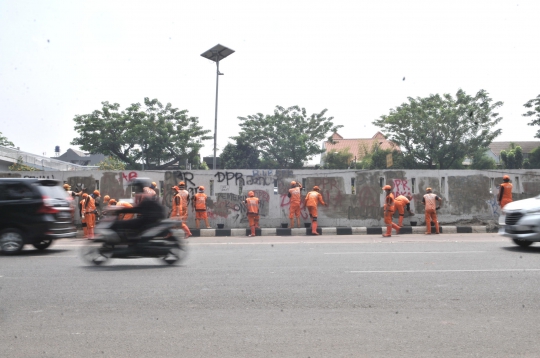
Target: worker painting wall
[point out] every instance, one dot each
(354, 198)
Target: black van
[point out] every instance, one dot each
(33, 211)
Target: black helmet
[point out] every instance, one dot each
(140, 183)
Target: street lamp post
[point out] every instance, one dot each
(216, 54)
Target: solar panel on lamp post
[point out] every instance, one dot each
(216, 54)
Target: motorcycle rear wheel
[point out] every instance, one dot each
(95, 255)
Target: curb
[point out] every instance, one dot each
(340, 230)
(333, 231)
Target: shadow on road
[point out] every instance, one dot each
(524, 250)
(113, 267)
(35, 252)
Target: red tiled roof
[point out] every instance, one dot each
(359, 146)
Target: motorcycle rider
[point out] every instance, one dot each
(148, 210)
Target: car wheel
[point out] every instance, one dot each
(42, 244)
(11, 241)
(522, 243)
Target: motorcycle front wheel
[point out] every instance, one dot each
(177, 251)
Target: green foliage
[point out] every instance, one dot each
(5, 142)
(203, 166)
(288, 137)
(111, 163)
(481, 161)
(439, 131)
(20, 167)
(534, 113)
(157, 135)
(513, 157)
(338, 160)
(534, 158)
(241, 155)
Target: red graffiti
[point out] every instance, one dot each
(130, 176)
(326, 183)
(368, 197)
(286, 201)
(401, 187)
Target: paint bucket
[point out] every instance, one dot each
(220, 226)
(284, 225)
(307, 225)
(413, 223)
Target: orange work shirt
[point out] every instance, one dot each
(200, 201)
(252, 204)
(313, 198)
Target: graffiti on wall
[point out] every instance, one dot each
(367, 201)
(233, 206)
(10, 175)
(401, 187)
(469, 195)
(260, 177)
(229, 176)
(494, 206)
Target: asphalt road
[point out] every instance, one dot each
(459, 295)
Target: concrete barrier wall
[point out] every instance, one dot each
(354, 198)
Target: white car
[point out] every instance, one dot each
(520, 221)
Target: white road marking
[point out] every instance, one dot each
(52, 256)
(439, 271)
(402, 252)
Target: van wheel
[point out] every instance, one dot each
(42, 244)
(11, 241)
(522, 243)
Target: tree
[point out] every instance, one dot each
(157, 136)
(441, 130)
(288, 137)
(513, 157)
(534, 112)
(338, 160)
(241, 155)
(111, 163)
(20, 167)
(481, 161)
(534, 158)
(5, 142)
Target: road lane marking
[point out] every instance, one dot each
(443, 271)
(402, 252)
(52, 256)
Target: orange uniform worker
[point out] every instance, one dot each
(83, 217)
(149, 191)
(505, 192)
(430, 201)
(313, 198)
(389, 209)
(89, 212)
(403, 202)
(184, 194)
(295, 196)
(199, 203)
(253, 205)
(125, 216)
(176, 212)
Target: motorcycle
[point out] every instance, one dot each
(159, 241)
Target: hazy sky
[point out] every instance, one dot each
(63, 58)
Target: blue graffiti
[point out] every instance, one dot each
(495, 208)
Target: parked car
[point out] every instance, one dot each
(520, 221)
(34, 212)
